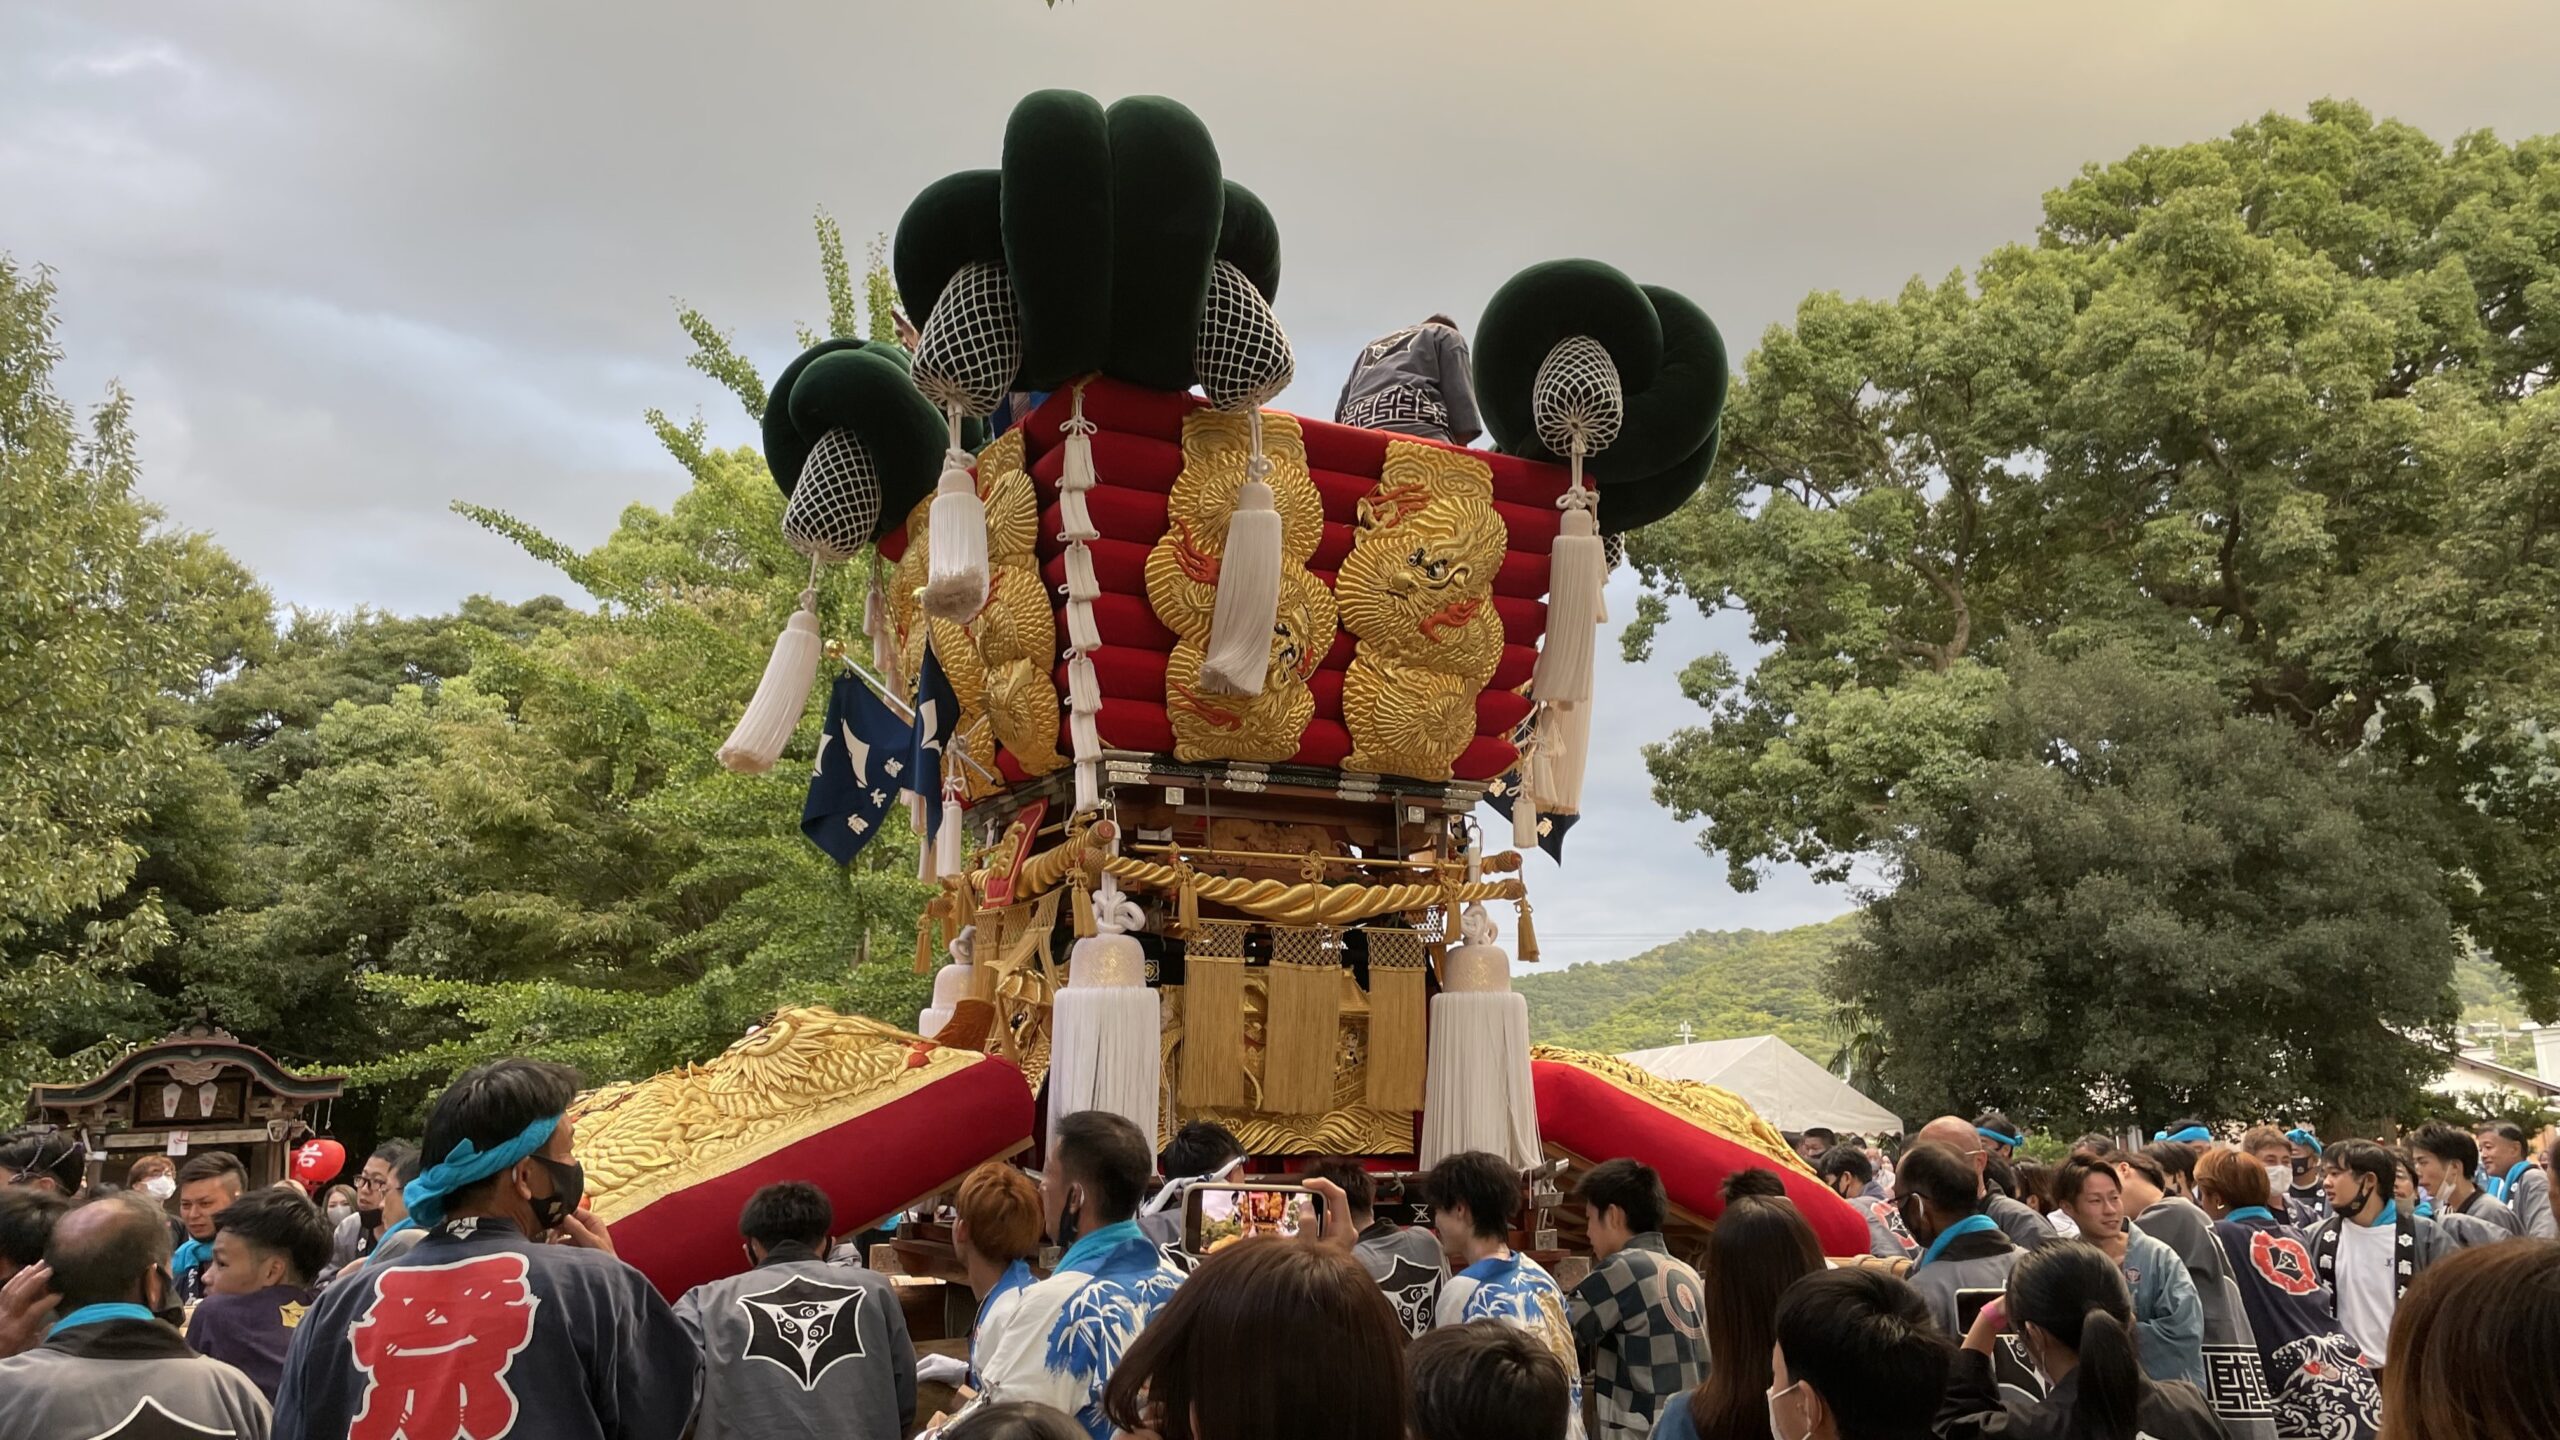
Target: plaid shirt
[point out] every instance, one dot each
(1639, 1321)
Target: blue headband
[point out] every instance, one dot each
(2192, 1135)
(2305, 1139)
(2012, 1141)
(468, 1166)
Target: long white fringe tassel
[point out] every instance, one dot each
(1553, 776)
(782, 696)
(950, 842)
(1239, 650)
(955, 586)
(1524, 801)
(1577, 572)
(1476, 1092)
(1084, 686)
(1104, 1052)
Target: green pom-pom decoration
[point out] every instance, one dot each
(862, 388)
(1165, 182)
(953, 222)
(1249, 239)
(1057, 229)
(1671, 364)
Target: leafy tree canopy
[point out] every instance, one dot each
(2273, 412)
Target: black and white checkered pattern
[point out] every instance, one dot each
(1639, 1319)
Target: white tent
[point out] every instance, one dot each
(1788, 1089)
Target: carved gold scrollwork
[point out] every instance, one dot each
(1182, 586)
(1000, 661)
(1417, 589)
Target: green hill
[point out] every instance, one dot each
(1725, 983)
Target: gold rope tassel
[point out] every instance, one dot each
(924, 943)
(1084, 913)
(1186, 913)
(1305, 1017)
(1528, 937)
(1399, 1054)
(1213, 1015)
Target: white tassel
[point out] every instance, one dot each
(1081, 582)
(883, 632)
(1239, 651)
(1084, 736)
(1076, 517)
(1524, 817)
(1577, 572)
(781, 697)
(1082, 633)
(1084, 687)
(1553, 777)
(1108, 1026)
(926, 849)
(1477, 1093)
(955, 586)
(1088, 786)
(949, 844)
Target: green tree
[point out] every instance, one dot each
(114, 821)
(2274, 411)
(2145, 905)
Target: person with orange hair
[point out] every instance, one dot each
(2453, 1374)
(996, 1229)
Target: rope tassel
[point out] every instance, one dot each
(1239, 651)
(1577, 572)
(781, 697)
(955, 586)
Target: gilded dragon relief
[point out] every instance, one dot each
(1182, 585)
(999, 662)
(804, 1072)
(1417, 589)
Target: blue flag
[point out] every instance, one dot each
(864, 757)
(937, 716)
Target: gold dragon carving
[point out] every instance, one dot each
(803, 1072)
(1710, 1107)
(999, 662)
(1417, 589)
(1182, 586)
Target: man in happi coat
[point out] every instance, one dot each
(511, 1316)
(1059, 1339)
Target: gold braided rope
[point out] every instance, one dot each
(1307, 902)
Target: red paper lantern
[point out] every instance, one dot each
(316, 1162)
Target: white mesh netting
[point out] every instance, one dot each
(836, 502)
(1243, 358)
(1577, 398)
(972, 342)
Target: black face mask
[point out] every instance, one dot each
(1070, 1224)
(2351, 1211)
(568, 1183)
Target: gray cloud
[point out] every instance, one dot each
(359, 259)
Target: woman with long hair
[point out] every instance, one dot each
(2071, 1312)
(2471, 1348)
(1269, 1339)
(2315, 1375)
(1759, 1248)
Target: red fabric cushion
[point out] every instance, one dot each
(1596, 1120)
(872, 1165)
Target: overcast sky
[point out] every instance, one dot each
(357, 260)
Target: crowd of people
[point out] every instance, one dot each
(461, 1292)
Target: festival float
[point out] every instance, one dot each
(1207, 701)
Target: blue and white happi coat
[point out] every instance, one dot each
(1059, 1339)
(1516, 1290)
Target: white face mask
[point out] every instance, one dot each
(159, 1187)
(1774, 1432)
(2280, 1178)
(338, 1214)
